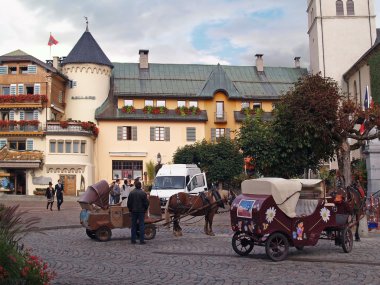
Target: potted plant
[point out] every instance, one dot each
(128, 109)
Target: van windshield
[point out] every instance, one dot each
(169, 182)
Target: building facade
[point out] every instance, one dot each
(157, 108)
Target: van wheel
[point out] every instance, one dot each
(103, 234)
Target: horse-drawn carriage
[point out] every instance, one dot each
(279, 213)
(99, 218)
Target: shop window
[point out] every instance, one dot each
(131, 169)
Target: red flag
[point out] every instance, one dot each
(362, 128)
(52, 41)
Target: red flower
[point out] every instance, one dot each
(11, 257)
(64, 124)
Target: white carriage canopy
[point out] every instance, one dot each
(286, 193)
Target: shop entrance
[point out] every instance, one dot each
(69, 184)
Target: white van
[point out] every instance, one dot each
(174, 178)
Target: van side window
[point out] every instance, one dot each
(187, 179)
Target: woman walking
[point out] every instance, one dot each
(50, 196)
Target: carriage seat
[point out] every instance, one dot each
(306, 207)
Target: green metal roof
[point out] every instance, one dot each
(192, 80)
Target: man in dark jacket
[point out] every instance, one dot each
(138, 204)
(59, 193)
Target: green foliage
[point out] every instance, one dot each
(300, 136)
(150, 169)
(221, 160)
(18, 266)
(374, 66)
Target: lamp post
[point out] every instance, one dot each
(159, 165)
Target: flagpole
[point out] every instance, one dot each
(50, 47)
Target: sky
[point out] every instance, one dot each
(174, 31)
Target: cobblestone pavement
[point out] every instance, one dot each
(192, 259)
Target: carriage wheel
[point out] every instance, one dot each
(103, 234)
(277, 247)
(149, 232)
(242, 243)
(91, 234)
(347, 240)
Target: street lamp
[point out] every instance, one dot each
(159, 158)
(158, 166)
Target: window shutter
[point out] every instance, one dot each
(32, 69)
(228, 133)
(4, 69)
(3, 142)
(20, 89)
(167, 134)
(190, 134)
(152, 130)
(213, 134)
(29, 144)
(12, 115)
(119, 133)
(35, 115)
(13, 89)
(134, 133)
(37, 88)
(22, 115)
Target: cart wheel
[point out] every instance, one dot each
(242, 243)
(149, 232)
(347, 240)
(299, 247)
(277, 247)
(103, 234)
(91, 234)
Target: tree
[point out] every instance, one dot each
(312, 123)
(221, 160)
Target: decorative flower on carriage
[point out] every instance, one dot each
(270, 214)
(325, 214)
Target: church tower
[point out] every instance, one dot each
(340, 32)
(89, 71)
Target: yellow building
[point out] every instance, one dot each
(156, 108)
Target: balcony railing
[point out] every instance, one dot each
(69, 128)
(14, 128)
(220, 117)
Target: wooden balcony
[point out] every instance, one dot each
(27, 128)
(22, 101)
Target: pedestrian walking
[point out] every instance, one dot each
(116, 191)
(138, 204)
(59, 193)
(50, 192)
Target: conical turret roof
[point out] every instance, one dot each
(87, 50)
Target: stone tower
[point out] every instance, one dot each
(340, 32)
(89, 71)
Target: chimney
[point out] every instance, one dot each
(259, 62)
(55, 62)
(144, 63)
(297, 62)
